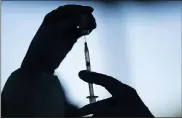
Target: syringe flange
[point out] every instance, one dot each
(91, 97)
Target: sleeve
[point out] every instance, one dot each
(32, 95)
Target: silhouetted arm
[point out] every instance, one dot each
(33, 90)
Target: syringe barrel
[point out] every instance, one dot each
(87, 57)
(92, 97)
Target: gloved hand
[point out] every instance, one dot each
(124, 102)
(56, 36)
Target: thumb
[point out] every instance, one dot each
(97, 108)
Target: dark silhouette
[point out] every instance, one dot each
(124, 102)
(34, 91)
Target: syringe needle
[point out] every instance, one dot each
(85, 38)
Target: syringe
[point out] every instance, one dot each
(92, 97)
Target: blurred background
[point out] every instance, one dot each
(138, 43)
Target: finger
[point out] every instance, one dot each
(75, 9)
(68, 28)
(82, 15)
(87, 22)
(74, 15)
(67, 11)
(96, 108)
(114, 86)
